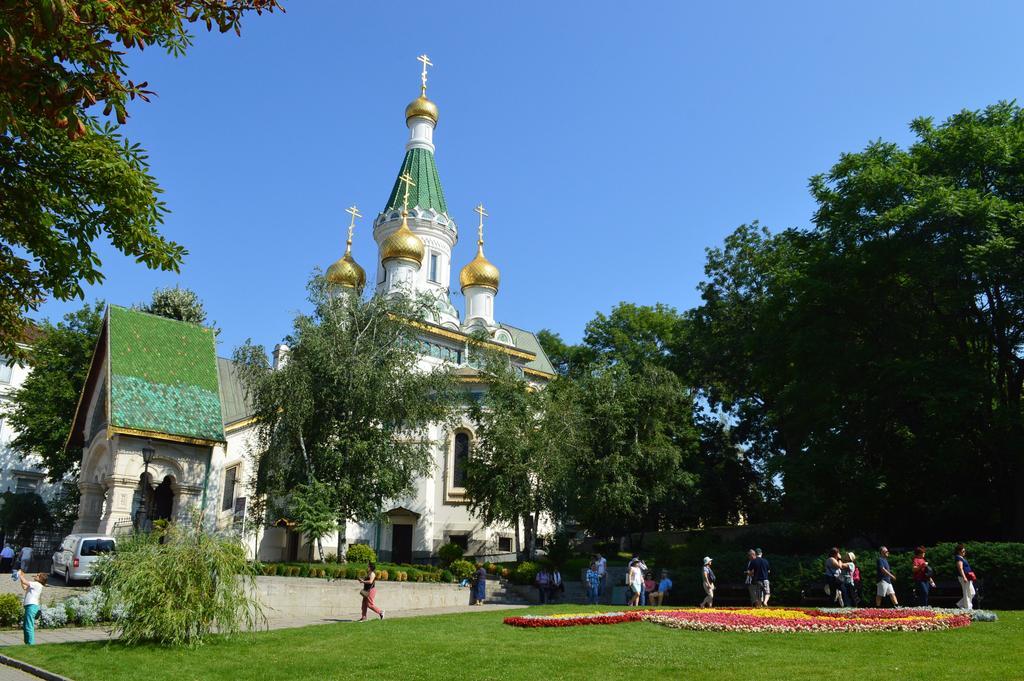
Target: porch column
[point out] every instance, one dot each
(186, 499)
(90, 507)
(118, 511)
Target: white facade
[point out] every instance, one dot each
(17, 474)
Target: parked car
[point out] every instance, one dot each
(73, 560)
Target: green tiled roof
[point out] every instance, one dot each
(233, 403)
(163, 376)
(427, 193)
(524, 340)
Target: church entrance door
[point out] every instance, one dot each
(163, 500)
(401, 543)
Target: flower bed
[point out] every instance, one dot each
(763, 619)
(576, 619)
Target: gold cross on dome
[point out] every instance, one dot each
(482, 212)
(354, 212)
(423, 76)
(406, 178)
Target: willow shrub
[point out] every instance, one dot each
(178, 584)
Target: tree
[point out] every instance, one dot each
(516, 470)
(66, 176)
(875, 362)
(349, 410)
(178, 584)
(42, 408)
(22, 515)
(178, 303)
(634, 467)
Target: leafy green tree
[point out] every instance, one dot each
(69, 177)
(314, 510)
(567, 359)
(875, 362)
(42, 408)
(178, 584)
(350, 407)
(22, 515)
(634, 335)
(634, 466)
(516, 470)
(178, 303)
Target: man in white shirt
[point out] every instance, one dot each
(33, 590)
(6, 558)
(602, 571)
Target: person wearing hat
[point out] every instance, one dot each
(709, 584)
(664, 586)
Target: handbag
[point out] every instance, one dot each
(971, 577)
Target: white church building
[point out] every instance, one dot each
(163, 425)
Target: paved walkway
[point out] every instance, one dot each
(81, 634)
(12, 674)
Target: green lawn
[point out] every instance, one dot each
(478, 646)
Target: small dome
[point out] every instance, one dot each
(421, 106)
(346, 272)
(480, 272)
(402, 245)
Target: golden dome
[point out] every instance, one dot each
(421, 106)
(402, 245)
(480, 272)
(346, 272)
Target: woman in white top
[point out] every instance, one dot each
(33, 590)
(635, 580)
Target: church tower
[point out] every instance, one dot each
(414, 233)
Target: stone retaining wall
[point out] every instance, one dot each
(292, 597)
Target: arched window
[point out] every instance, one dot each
(459, 460)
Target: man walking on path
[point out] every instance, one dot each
(885, 579)
(749, 581)
(25, 558)
(760, 571)
(602, 572)
(6, 559)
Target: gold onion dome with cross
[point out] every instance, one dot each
(479, 271)
(421, 106)
(345, 271)
(403, 244)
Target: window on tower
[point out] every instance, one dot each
(460, 459)
(435, 268)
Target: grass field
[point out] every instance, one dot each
(478, 646)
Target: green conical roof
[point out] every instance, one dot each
(427, 193)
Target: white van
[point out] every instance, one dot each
(74, 559)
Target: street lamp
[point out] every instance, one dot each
(147, 458)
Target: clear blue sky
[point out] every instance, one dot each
(611, 142)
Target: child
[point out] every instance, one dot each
(33, 590)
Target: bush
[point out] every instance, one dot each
(462, 569)
(11, 610)
(505, 572)
(382, 575)
(449, 553)
(331, 557)
(360, 553)
(53, 617)
(270, 570)
(86, 609)
(525, 572)
(351, 572)
(177, 584)
(447, 576)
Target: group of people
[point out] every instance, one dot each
(757, 579)
(843, 578)
(549, 584)
(643, 589)
(10, 559)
